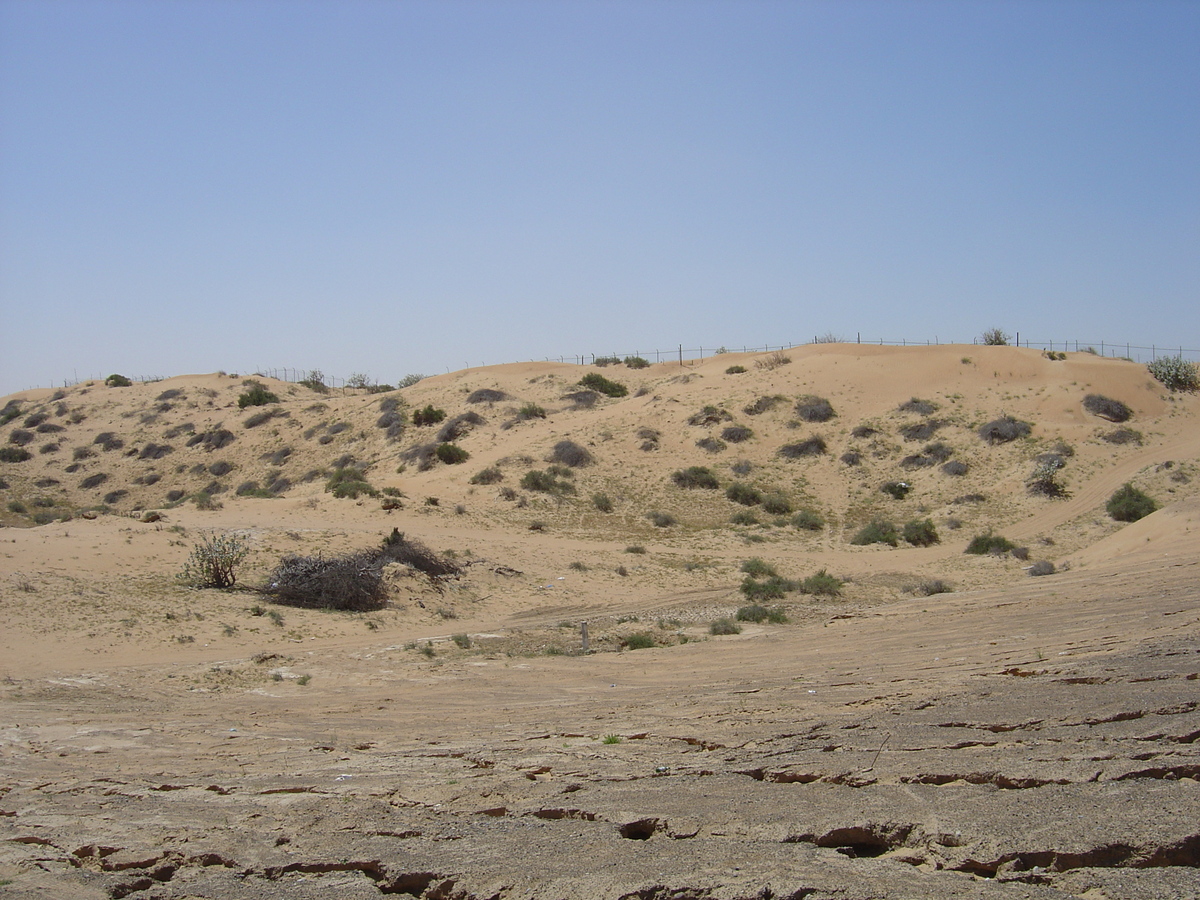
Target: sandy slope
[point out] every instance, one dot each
(1018, 737)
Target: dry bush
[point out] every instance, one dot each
(214, 560)
(811, 408)
(709, 415)
(568, 453)
(917, 461)
(920, 407)
(736, 434)
(1123, 436)
(1003, 430)
(486, 395)
(772, 361)
(20, 437)
(1042, 567)
(852, 458)
(711, 444)
(762, 405)
(490, 475)
(954, 467)
(213, 439)
(582, 399)
(863, 431)
(813, 446)
(411, 552)
(1107, 408)
(459, 426)
(696, 477)
(351, 582)
(93, 481)
(921, 431)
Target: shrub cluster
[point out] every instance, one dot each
(1175, 373)
(550, 481)
(348, 482)
(451, 454)
(822, 584)
(921, 533)
(757, 613)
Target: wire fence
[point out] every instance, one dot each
(684, 355)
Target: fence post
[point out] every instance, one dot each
(583, 633)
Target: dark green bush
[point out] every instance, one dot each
(878, 532)
(808, 520)
(14, 454)
(636, 362)
(758, 613)
(921, 533)
(116, 380)
(696, 477)
(821, 584)
(546, 483)
(597, 382)
(428, 416)
(451, 454)
(256, 394)
(604, 361)
(744, 494)
(641, 640)
(758, 568)
(735, 370)
(530, 411)
(773, 588)
(897, 490)
(989, 543)
(348, 482)
(1128, 504)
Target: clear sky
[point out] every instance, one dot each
(396, 187)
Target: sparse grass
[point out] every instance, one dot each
(1128, 504)
(983, 544)
(878, 532)
(696, 477)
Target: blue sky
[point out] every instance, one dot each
(396, 187)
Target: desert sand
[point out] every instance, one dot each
(1009, 737)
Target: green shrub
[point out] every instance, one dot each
(1175, 373)
(897, 490)
(757, 568)
(1128, 504)
(14, 454)
(490, 475)
(636, 362)
(696, 477)
(878, 532)
(597, 382)
(256, 394)
(994, 337)
(989, 543)
(428, 416)
(315, 381)
(744, 494)
(921, 533)
(116, 380)
(776, 504)
(822, 584)
(1107, 408)
(757, 613)
(743, 517)
(735, 370)
(724, 626)
(603, 361)
(641, 640)
(530, 411)
(546, 483)
(214, 560)
(773, 588)
(347, 482)
(602, 502)
(808, 520)
(661, 519)
(451, 454)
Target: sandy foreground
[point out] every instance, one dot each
(1013, 737)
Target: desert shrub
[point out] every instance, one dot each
(757, 568)
(314, 380)
(736, 434)
(252, 489)
(347, 482)
(1107, 408)
(214, 439)
(920, 407)
(93, 481)
(772, 361)
(878, 532)
(851, 458)
(49, 428)
(921, 533)
(762, 405)
(917, 461)
(35, 419)
(1175, 373)
(742, 467)
(451, 454)
(116, 380)
(602, 502)
(711, 444)
(735, 370)
(1003, 430)
(350, 582)
(16, 506)
(1121, 436)
(743, 517)
(486, 395)
(931, 586)
(423, 455)
(636, 549)
(256, 394)
(1042, 567)
(1128, 504)
(772, 588)
(175, 496)
(430, 415)
(579, 400)
(530, 411)
(724, 626)
(20, 437)
(709, 415)
(661, 519)
(604, 361)
(696, 477)
(459, 426)
(278, 456)
(641, 640)
(393, 422)
(1044, 480)
(14, 454)
(597, 382)
(546, 482)
(49, 448)
(155, 451)
(921, 431)
(954, 467)
(777, 504)
(808, 520)
(863, 431)
(897, 490)
(411, 552)
(490, 475)
(813, 446)
(220, 468)
(259, 418)
(409, 380)
(569, 453)
(811, 408)
(214, 560)
(938, 451)
(637, 362)
(11, 410)
(744, 494)
(821, 584)
(758, 613)
(994, 337)
(989, 543)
